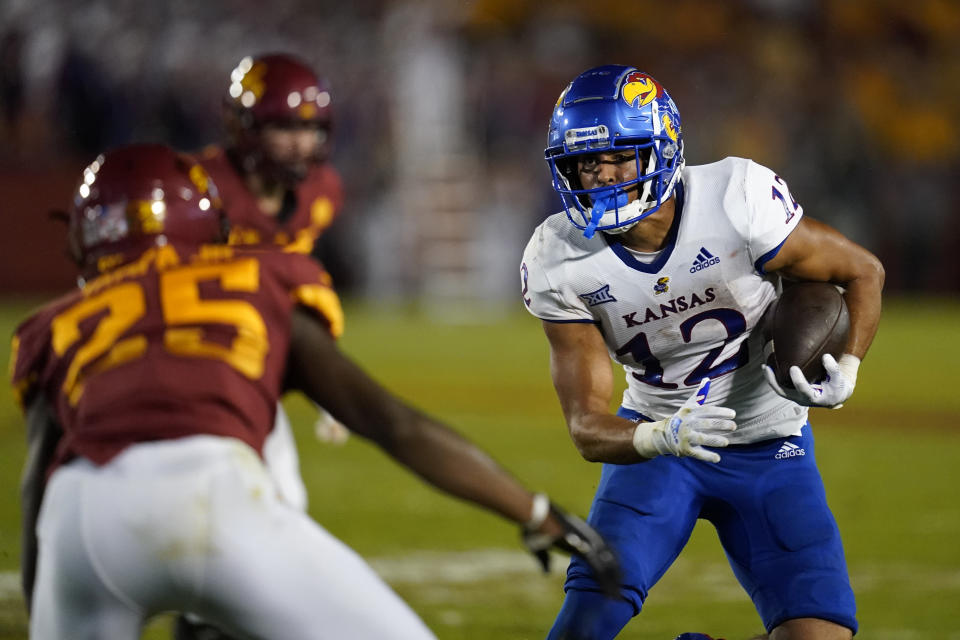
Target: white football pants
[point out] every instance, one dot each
(195, 525)
(283, 462)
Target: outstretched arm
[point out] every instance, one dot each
(436, 453)
(43, 434)
(430, 449)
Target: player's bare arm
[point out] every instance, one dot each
(434, 452)
(43, 435)
(431, 450)
(817, 251)
(583, 379)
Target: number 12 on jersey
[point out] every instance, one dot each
(733, 323)
(789, 209)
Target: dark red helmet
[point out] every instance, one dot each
(136, 197)
(276, 89)
(279, 88)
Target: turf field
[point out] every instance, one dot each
(889, 459)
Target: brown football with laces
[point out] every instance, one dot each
(808, 320)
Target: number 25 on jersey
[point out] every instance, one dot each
(184, 315)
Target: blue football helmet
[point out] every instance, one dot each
(608, 109)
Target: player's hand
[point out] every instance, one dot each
(688, 431)
(328, 429)
(553, 528)
(835, 389)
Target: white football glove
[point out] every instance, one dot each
(328, 429)
(688, 431)
(832, 392)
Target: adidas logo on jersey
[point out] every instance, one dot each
(703, 260)
(789, 450)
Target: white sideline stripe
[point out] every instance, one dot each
(419, 567)
(714, 578)
(458, 567)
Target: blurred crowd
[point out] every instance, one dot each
(855, 104)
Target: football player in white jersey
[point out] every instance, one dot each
(668, 269)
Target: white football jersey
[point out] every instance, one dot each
(688, 311)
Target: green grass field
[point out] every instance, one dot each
(889, 460)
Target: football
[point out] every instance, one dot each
(808, 320)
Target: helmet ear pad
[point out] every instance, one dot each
(242, 135)
(568, 169)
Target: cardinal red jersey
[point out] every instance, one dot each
(174, 344)
(318, 200)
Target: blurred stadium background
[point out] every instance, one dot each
(440, 117)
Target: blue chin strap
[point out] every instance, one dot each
(616, 199)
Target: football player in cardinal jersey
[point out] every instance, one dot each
(277, 184)
(667, 269)
(149, 392)
(279, 189)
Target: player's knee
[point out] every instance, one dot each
(810, 629)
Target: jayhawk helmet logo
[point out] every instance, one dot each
(668, 127)
(639, 89)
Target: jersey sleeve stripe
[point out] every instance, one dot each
(633, 415)
(584, 321)
(767, 257)
(303, 243)
(324, 300)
